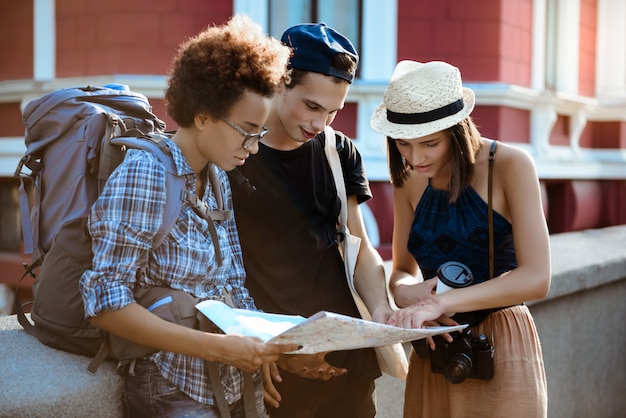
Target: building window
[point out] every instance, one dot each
(551, 45)
(562, 46)
(343, 16)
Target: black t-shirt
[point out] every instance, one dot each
(287, 233)
(287, 227)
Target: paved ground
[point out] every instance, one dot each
(6, 299)
(389, 397)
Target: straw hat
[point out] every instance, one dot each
(421, 99)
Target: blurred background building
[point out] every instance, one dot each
(549, 76)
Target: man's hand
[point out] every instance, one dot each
(270, 375)
(311, 366)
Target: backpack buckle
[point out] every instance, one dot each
(31, 162)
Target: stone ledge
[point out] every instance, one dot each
(38, 381)
(586, 259)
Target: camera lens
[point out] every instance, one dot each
(458, 368)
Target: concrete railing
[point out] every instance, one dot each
(581, 325)
(37, 381)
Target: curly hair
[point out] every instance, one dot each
(464, 146)
(213, 69)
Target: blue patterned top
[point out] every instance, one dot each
(459, 231)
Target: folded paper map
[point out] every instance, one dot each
(324, 331)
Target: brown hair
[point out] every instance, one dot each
(464, 146)
(213, 69)
(341, 61)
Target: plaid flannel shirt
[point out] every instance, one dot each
(123, 222)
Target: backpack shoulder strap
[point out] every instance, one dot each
(24, 192)
(174, 184)
(176, 191)
(211, 216)
(219, 214)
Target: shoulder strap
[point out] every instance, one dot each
(211, 216)
(492, 158)
(349, 245)
(29, 328)
(25, 190)
(174, 184)
(175, 188)
(332, 156)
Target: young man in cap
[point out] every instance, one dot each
(291, 254)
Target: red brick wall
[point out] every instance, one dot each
(346, 120)
(11, 120)
(576, 205)
(489, 40)
(381, 206)
(16, 32)
(560, 131)
(503, 123)
(101, 37)
(615, 202)
(605, 135)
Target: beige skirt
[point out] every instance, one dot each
(518, 387)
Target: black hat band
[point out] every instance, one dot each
(425, 117)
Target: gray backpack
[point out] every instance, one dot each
(75, 138)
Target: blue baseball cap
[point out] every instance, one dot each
(313, 47)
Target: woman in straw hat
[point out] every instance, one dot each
(439, 165)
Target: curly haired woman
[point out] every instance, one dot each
(219, 93)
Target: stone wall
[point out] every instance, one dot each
(580, 323)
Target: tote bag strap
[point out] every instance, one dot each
(330, 148)
(392, 358)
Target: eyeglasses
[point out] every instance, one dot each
(248, 138)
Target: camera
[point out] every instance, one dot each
(465, 357)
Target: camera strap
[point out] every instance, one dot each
(492, 158)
